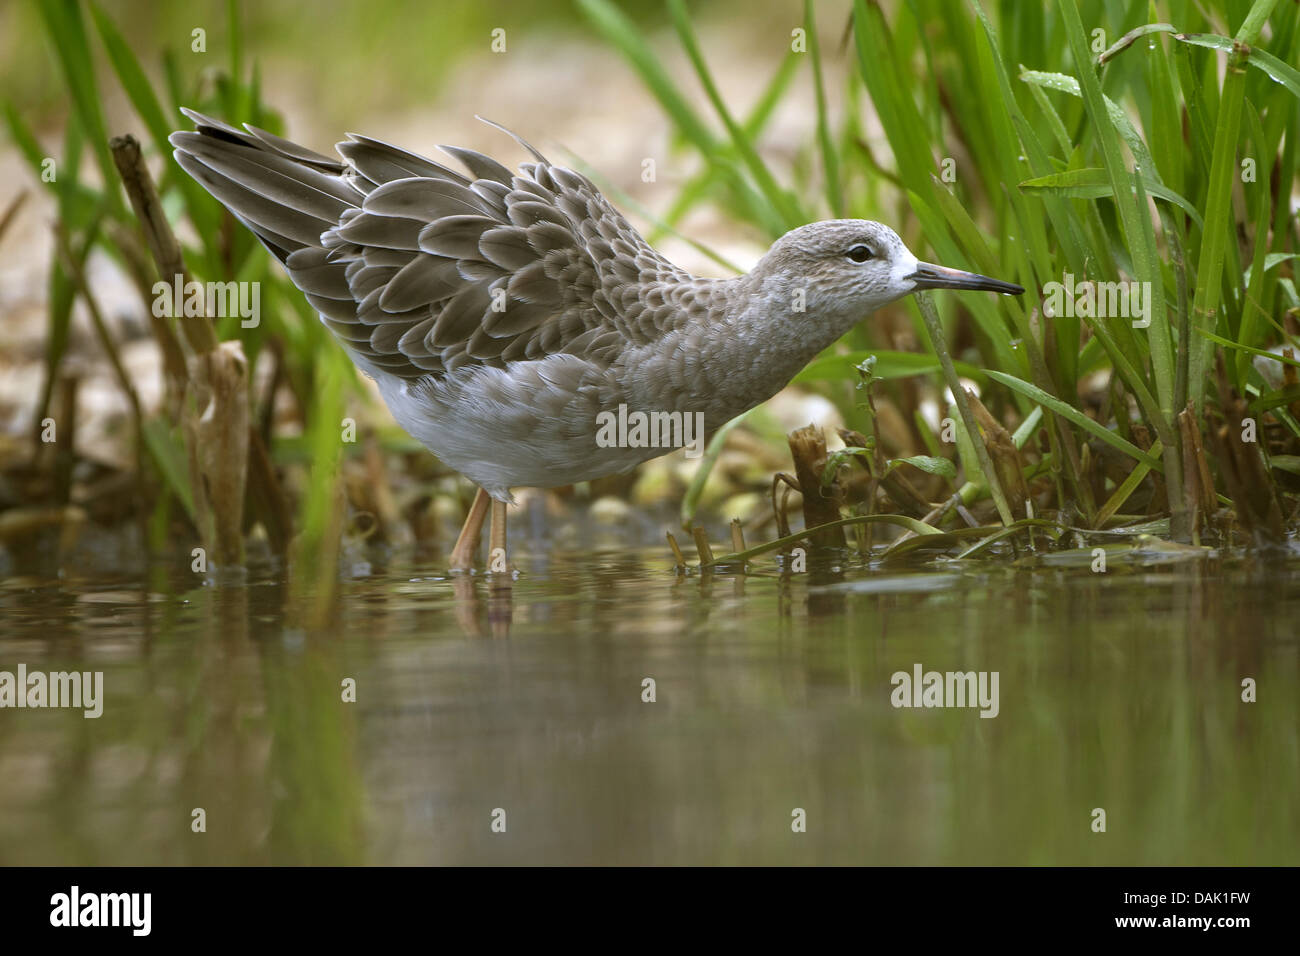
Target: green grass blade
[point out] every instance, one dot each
(1219, 229)
(1092, 183)
(788, 208)
(66, 30)
(166, 449)
(1125, 489)
(889, 365)
(1136, 222)
(691, 500)
(1077, 417)
(1276, 70)
(622, 33)
(935, 330)
(1257, 274)
(901, 521)
(1264, 353)
(133, 80)
(829, 155)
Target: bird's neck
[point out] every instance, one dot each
(742, 341)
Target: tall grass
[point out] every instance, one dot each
(1088, 138)
(94, 216)
(1091, 138)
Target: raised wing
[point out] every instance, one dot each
(420, 270)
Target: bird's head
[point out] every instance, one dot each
(850, 267)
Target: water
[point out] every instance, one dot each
(1119, 691)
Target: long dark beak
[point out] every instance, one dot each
(930, 276)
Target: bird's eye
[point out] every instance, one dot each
(860, 253)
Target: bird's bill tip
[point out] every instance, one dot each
(931, 276)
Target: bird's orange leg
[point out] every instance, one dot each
(497, 537)
(462, 556)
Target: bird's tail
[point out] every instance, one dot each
(286, 194)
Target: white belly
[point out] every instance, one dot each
(534, 426)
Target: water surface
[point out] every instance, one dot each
(772, 692)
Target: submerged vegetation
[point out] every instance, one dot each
(1134, 166)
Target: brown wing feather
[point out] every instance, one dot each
(419, 269)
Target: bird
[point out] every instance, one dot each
(501, 313)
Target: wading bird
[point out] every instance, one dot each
(501, 313)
